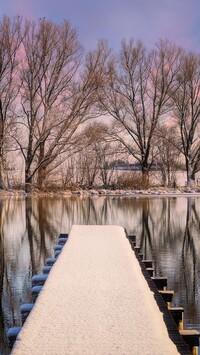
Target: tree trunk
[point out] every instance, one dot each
(42, 169)
(41, 177)
(193, 178)
(1, 147)
(2, 184)
(164, 178)
(190, 173)
(145, 174)
(28, 183)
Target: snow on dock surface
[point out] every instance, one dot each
(96, 302)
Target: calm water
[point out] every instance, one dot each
(168, 229)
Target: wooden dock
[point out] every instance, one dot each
(96, 301)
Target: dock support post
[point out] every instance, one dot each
(167, 296)
(177, 314)
(39, 279)
(35, 292)
(150, 271)
(46, 269)
(132, 238)
(137, 248)
(160, 282)
(12, 335)
(148, 263)
(25, 309)
(191, 337)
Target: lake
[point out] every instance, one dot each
(167, 229)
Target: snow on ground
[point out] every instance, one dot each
(95, 302)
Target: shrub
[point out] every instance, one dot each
(132, 180)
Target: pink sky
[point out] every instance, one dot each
(148, 20)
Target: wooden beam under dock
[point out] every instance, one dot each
(148, 263)
(177, 314)
(191, 337)
(160, 282)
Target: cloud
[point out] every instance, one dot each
(147, 20)
(17, 7)
(151, 20)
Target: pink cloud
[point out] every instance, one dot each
(147, 20)
(23, 8)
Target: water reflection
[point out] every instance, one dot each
(167, 229)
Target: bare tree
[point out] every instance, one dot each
(187, 113)
(93, 164)
(10, 40)
(57, 96)
(138, 96)
(106, 153)
(79, 104)
(51, 55)
(167, 155)
(87, 161)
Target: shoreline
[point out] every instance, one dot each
(151, 192)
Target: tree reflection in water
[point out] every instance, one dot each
(167, 229)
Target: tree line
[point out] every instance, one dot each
(65, 112)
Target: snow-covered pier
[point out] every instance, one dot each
(95, 301)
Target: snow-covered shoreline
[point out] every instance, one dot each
(151, 192)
